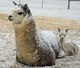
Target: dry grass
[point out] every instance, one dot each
(3, 16)
(50, 23)
(54, 23)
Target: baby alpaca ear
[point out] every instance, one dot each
(14, 3)
(66, 30)
(59, 30)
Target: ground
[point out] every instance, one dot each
(8, 45)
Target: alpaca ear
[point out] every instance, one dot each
(25, 7)
(59, 30)
(66, 30)
(14, 3)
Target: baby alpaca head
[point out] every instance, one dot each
(62, 34)
(18, 13)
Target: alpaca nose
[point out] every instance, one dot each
(10, 18)
(62, 38)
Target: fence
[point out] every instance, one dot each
(69, 2)
(47, 3)
(51, 4)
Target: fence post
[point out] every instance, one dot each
(19, 1)
(68, 4)
(42, 4)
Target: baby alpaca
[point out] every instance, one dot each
(69, 48)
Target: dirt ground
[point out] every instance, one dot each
(8, 45)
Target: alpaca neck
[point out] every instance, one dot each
(62, 43)
(26, 35)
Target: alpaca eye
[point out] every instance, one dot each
(20, 13)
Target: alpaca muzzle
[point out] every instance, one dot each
(10, 18)
(62, 38)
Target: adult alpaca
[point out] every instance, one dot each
(33, 48)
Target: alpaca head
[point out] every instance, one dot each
(18, 13)
(62, 34)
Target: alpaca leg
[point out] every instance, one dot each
(20, 60)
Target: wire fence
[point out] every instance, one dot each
(7, 4)
(42, 4)
(47, 3)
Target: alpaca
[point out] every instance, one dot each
(33, 47)
(69, 48)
